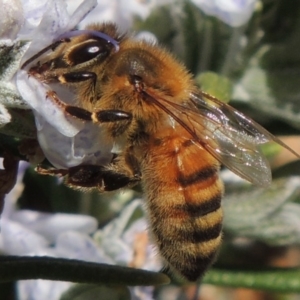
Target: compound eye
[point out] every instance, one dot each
(89, 50)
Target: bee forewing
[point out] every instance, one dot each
(248, 164)
(234, 139)
(228, 135)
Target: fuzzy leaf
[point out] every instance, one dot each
(279, 229)
(265, 214)
(21, 124)
(270, 82)
(275, 94)
(11, 54)
(18, 123)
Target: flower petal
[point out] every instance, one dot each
(11, 18)
(18, 240)
(41, 289)
(52, 225)
(87, 146)
(233, 12)
(34, 93)
(75, 245)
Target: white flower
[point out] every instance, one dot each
(29, 233)
(25, 232)
(233, 12)
(66, 142)
(12, 18)
(49, 19)
(130, 245)
(146, 36)
(118, 240)
(41, 289)
(31, 25)
(122, 12)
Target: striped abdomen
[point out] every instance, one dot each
(184, 196)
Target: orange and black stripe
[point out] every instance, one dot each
(186, 215)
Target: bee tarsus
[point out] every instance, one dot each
(73, 77)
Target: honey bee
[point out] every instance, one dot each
(172, 137)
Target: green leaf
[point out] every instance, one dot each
(270, 149)
(192, 28)
(274, 280)
(290, 169)
(10, 144)
(216, 85)
(274, 20)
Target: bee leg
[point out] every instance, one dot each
(42, 73)
(79, 76)
(124, 169)
(73, 77)
(51, 171)
(102, 116)
(103, 178)
(122, 172)
(86, 177)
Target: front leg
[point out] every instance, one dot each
(101, 116)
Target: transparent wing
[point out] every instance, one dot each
(233, 139)
(228, 135)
